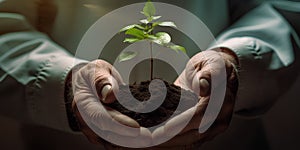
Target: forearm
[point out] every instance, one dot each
(261, 40)
(33, 72)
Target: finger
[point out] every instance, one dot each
(99, 74)
(190, 137)
(198, 115)
(143, 138)
(121, 118)
(218, 70)
(107, 85)
(222, 120)
(204, 87)
(203, 82)
(221, 76)
(173, 127)
(184, 122)
(193, 139)
(97, 117)
(210, 122)
(106, 89)
(110, 86)
(117, 123)
(203, 70)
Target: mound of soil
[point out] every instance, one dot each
(162, 113)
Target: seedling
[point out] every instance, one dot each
(145, 30)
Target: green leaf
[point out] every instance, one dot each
(132, 26)
(149, 9)
(136, 32)
(150, 30)
(151, 37)
(155, 17)
(154, 24)
(139, 26)
(127, 28)
(126, 56)
(150, 19)
(131, 40)
(167, 24)
(178, 48)
(144, 21)
(163, 38)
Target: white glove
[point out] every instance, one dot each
(94, 83)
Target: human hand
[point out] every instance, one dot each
(197, 77)
(94, 84)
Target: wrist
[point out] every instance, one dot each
(228, 55)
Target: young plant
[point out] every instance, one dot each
(145, 31)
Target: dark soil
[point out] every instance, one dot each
(162, 113)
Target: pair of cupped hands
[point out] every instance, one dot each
(96, 82)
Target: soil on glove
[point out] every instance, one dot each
(162, 113)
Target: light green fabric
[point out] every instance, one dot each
(11, 22)
(262, 39)
(40, 66)
(267, 25)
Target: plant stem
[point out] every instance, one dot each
(151, 62)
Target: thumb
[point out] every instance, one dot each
(106, 89)
(106, 79)
(201, 83)
(204, 87)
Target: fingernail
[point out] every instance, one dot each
(204, 87)
(105, 91)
